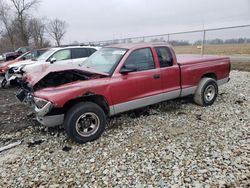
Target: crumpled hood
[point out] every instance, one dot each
(37, 72)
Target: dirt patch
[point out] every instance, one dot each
(13, 114)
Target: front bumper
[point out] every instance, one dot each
(41, 112)
(51, 121)
(44, 110)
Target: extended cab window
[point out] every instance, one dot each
(62, 55)
(79, 53)
(164, 56)
(141, 59)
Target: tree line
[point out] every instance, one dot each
(199, 42)
(19, 27)
(227, 41)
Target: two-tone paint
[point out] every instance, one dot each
(124, 92)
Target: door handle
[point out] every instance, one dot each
(157, 76)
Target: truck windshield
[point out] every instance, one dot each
(104, 60)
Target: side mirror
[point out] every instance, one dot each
(52, 60)
(127, 69)
(24, 58)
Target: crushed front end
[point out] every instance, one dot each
(41, 107)
(14, 75)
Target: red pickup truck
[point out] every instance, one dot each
(116, 79)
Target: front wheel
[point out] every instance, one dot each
(85, 122)
(206, 92)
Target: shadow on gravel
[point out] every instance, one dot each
(51, 131)
(116, 121)
(34, 143)
(157, 109)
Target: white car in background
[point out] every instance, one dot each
(68, 56)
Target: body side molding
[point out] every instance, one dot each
(118, 108)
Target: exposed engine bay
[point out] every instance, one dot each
(54, 79)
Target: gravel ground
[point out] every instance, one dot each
(171, 144)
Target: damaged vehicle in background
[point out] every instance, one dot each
(117, 79)
(33, 54)
(65, 56)
(13, 55)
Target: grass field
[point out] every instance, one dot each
(241, 50)
(223, 49)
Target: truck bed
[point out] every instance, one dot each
(191, 59)
(194, 67)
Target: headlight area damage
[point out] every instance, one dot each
(12, 76)
(47, 113)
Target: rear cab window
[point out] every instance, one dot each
(141, 59)
(164, 56)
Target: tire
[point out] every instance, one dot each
(3, 83)
(207, 92)
(85, 116)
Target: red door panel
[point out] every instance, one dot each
(169, 69)
(170, 78)
(145, 81)
(135, 85)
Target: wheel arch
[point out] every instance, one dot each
(90, 97)
(209, 75)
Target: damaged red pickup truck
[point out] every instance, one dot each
(116, 79)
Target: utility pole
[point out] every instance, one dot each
(203, 42)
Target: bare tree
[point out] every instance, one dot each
(57, 29)
(22, 7)
(37, 31)
(7, 20)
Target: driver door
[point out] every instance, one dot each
(140, 87)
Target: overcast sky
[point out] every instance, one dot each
(92, 20)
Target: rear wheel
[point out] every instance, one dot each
(85, 122)
(206, 92)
